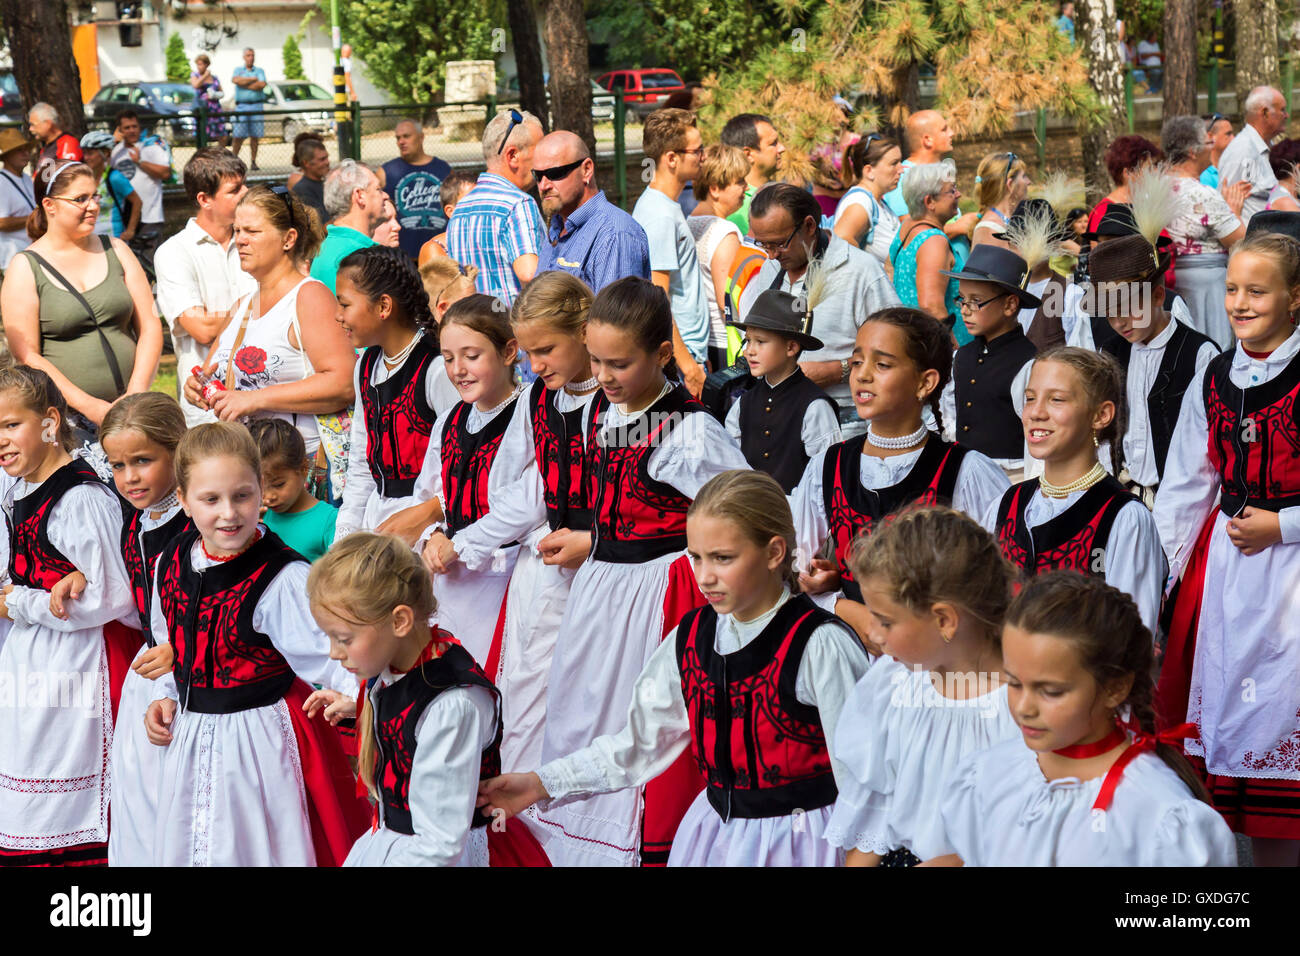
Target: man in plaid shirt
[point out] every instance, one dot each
(496, 226)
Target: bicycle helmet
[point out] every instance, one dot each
(98, 139)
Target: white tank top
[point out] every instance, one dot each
(266, 357)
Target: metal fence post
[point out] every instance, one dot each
(1288, 77)
(1128, 94)
(1040, 137)
(620, 147)
(355, 110)
(201, 127)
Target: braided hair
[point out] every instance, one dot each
(381, 270)
(928, 345)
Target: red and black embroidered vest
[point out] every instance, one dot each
(223, 665)
(852, 510)
(397, 709)
(398, 419)
(34, 561)
(1075, 539)
(761, 751)
(467, 462)
(557, 442)
(140, 565)
(636, 518)
(1254, 437)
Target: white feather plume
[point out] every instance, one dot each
(816, 283)
(1153, 200)
(1062, 192)
(1033, 237)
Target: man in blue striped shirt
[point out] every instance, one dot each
(496, 226)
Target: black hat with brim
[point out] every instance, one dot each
(784, 314)
(1275, 220)
(1002, 268)
(1117, 220)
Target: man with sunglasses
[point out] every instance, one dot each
(589, 236)
(496, 225)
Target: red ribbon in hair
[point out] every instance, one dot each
(1142, 743)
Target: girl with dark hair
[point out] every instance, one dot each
(651, 448)
(1089, 782)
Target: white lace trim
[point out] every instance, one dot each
(290, 741)
(201, 852)
(864, 841)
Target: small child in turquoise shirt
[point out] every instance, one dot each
(292, 512)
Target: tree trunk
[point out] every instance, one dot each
(1257, 59)
(1099, 40)
(566, 43)
(1180, 57)
(528, 59)
(40, 45)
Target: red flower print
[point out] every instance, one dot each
(251, 360)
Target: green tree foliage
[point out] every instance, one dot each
(178, 64)
(405, 43)
(1140, 17)
(693, 38)
(292, 57)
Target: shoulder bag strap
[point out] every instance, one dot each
(239, 340)
(9, 177)
(55, 274)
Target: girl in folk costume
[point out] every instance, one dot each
(56, 720)
(472, 453)
(248, 779)
(770, 781)
(938, 588)
(543, 509)
(1079, 787)
(650, 449)
(1076, 515)
(139, 435)
(400, 381)
(900, 365)
(430, 726)
(1234, 625)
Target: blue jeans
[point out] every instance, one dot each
(247, 122)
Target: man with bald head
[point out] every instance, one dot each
(927, 139)
(589, 236)
(1246, 157)
(413, 182)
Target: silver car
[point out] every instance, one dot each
(315, 103)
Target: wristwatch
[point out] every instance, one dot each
(844, 370)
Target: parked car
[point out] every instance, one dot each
(644, 90)
(602, 104)
(172, 103)
(316, 104)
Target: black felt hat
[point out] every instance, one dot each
(1117, 220)
(1003, 268)
(785, 314)
(1275, 220)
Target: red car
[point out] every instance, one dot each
(643, 90)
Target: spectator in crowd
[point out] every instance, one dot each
(150, 163)
(496, 226)
(1283, 158)
(589, 236)
(98, 344)
(755, 134)
(671, 139)
(414, 182)
(1001, 183)
(1246, 157)
(718, 191)
(354, 201)
(17, 197)
(56, 146)
(453, 190)
(345, 60)
(208, 92)
(282, 354)
(1203, 230)
(1151, 60)
(312, 158)
(927, 138)
(119, 203)
(785, 221)
(922, 252)
(389, 231)
(250, 94)
(1065, 22)
(872, 167)
(1221, 134)
(199, 276)
(1124, 157)
(686, 99)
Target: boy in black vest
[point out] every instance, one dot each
(783, 419)
(1165, 356)
(984, 398)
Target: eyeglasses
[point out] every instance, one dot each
(775, 247)
(556, 173)
(81, 202)
(972, 305)
(516, 118)
(283, 193)
(699, 151)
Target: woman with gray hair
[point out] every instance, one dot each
(921, 251)
(1204, 227)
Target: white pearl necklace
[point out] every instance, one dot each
(400, 357)
(1093, 475)
(905, 441)
(581, 388)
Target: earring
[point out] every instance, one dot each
(1095, 442)
(947, 638)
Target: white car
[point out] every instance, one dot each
(316, 104)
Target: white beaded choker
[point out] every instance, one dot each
(906, 441)
(581, 388)
(1093, 475)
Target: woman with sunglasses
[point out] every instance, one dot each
(77, 305)
(1001, 182)
(281, 355)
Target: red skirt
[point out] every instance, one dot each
(83, 854)
(1269, 809)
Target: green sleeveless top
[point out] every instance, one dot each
(68, 337)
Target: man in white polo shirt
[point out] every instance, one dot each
(146, 162)
(199, 278)
(1246, 157)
